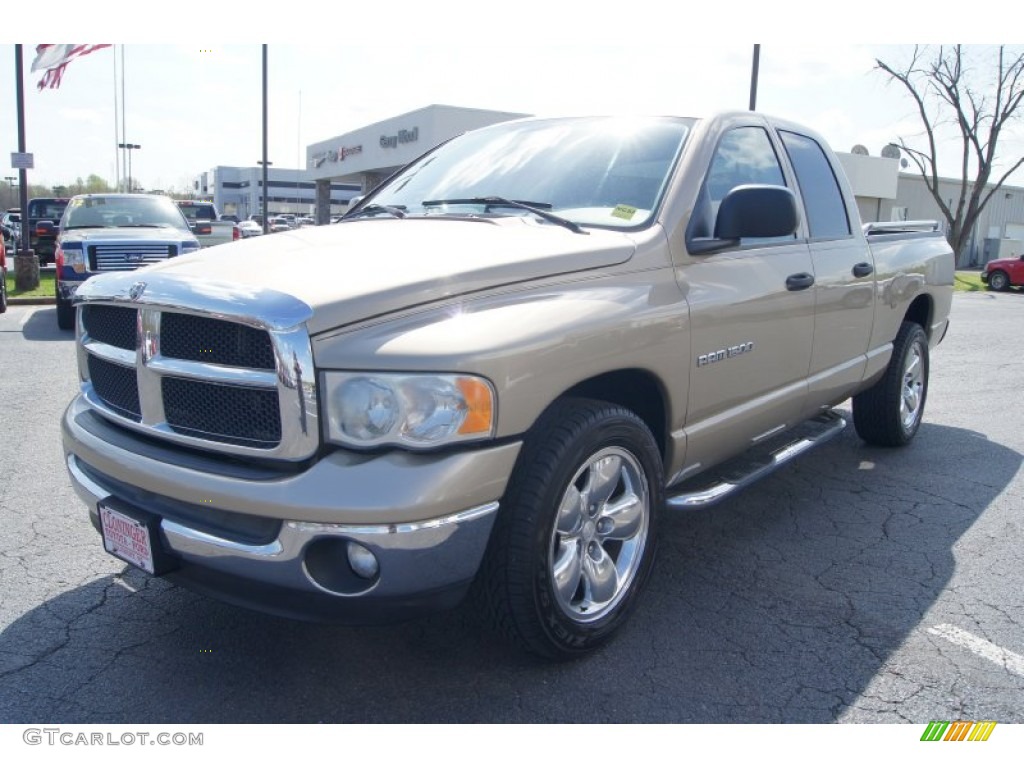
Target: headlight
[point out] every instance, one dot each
(411, 410)
(189, 246)
(72, 256)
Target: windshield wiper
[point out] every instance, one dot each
(504, 202)
(398, 211)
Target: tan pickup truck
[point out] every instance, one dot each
(498, 372)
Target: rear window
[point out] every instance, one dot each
(197, 211)
(43, 208)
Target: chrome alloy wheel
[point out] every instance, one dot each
(600, 534)
(913, 387)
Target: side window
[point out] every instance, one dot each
(743, 156)
(826, 210)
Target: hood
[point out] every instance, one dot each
(362, 268)
(108, 234)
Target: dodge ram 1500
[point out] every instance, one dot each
(498, 372)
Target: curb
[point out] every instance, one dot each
(13, 301)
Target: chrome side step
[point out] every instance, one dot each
(737, 474)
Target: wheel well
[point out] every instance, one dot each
(920, 312)
(637, 390)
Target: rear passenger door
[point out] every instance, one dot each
(844, 287)
(751, 313)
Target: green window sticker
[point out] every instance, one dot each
(626, 212)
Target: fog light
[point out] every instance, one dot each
(362, 560)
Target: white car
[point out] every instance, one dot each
(250, 228)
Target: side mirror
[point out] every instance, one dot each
(756, 210)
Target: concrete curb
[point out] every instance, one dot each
(13, 301)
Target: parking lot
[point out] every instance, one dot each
(856, 585)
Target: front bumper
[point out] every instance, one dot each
(984, 277)
(277, 541)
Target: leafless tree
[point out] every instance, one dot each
(949, 91)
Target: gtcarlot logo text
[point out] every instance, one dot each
(59, 736)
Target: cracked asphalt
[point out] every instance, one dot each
(806, 599)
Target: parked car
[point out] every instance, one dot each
(206, 223)
(1001, 274)
(250, 228)
(115, 233)
(3, 277)
(279, 224)
(11, 223)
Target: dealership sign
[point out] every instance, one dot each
(402, 137)
(336, 155)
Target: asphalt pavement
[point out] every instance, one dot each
(856, 585)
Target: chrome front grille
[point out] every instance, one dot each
(233, 384)
(128, 256)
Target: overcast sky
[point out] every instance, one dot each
(193, 106)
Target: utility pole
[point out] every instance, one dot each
(753, 77)
(264, 162)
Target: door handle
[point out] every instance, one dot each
(863, 269)
(799, 281)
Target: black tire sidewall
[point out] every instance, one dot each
(915, 337)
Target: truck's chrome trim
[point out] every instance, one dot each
(390, 530)
(292, 377)
(212, 298)
(217, 374)
(111, 353)
(830, 425)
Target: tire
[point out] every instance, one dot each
(570, 554)
(890, 412)
(998, 280)
(3, 291)
(65, 313)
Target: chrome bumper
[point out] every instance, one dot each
(414, 556)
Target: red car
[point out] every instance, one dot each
(1000, 274)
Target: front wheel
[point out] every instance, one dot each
(998, 281)
(575, 539)
(890, 412)
(65, 313)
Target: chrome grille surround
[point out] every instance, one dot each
(152, 296)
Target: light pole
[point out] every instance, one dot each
(263, 194)
(130, 147)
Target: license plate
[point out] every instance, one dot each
(126, 538)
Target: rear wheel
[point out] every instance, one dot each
(998, 280)
(575, 539)
(890, 412)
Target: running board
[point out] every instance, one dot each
(738, 473)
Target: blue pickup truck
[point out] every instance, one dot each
(114, 233)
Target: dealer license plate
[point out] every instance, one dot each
(127, 538)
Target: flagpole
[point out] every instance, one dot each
(117, 138)
(124, 109)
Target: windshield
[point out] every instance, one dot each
(122, 211)
(606, 172)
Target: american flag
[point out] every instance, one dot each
(53, 58)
